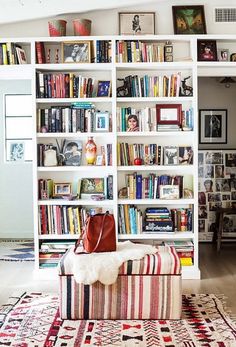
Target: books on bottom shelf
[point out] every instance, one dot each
(50, 252)
(184, 249)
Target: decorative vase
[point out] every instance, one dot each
(82, 27)
(90, 151)
(57, 27)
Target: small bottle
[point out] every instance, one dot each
(49, 56)
(57, 56)
(90, 151)
(168, 51)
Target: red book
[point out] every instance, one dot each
(40, 53)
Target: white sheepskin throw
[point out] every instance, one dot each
(104, 267)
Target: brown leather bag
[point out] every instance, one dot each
(99, 234)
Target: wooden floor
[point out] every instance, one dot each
(218, 272)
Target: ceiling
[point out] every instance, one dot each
(22, 10)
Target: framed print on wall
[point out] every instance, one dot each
(137, 23)
(189, 19)
(212, 126)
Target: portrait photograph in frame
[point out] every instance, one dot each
(213, 126)
(223, 54)
(137, 23)
(206, 50)
(189, 19)
(76, 52)
(169, 114)
(61, 189)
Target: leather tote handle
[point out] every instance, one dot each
(101, 232)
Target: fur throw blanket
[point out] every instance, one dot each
(104, 267)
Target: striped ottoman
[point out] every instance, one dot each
(149, 288)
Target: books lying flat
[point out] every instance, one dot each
(160, 226)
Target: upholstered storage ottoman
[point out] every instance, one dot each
(149, 288)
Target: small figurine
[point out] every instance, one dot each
(186, 90)
(57, 56)
(49, 56)
(123, 90)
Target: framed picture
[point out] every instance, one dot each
(185, 155)
(137, 23)
(103, 88)
(92, 186)
(169, 113)
(21, 55)
(223, 54)
(189, 19)
(233, 57)
(169, 192)
(17, 150)
(206, 50)
(101, 121)
(213, 126)
(171, 155)
(76, 52)
(99, 160)
(60, 189)
(72, 152)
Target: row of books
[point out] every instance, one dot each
(155, 220)
(127, 154)
(72, 120)
(153, 86)
(137, 51)
(139, 187)
(185, 251)
(86, 188)
(10, 53)
(64, 85)
(50, 252)
(103, 51)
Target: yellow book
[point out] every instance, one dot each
(71, 221)
(186, 261)
(71, 84)
(127, 221)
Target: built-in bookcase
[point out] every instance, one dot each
(154, 84)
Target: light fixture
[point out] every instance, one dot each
(227, 81)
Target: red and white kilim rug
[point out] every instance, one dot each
(32, 320)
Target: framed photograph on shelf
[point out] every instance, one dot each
(206, 50)
(137, 23)
(21, 55)
(102, 121)
(169, 114)
(16, 151)
(189, 19)
(223, 54)
(76, 52)
(171, 155)
(92, 186)
(104, 88)
(72, 152)
(169, 192)
(62, 189)
(213, 126)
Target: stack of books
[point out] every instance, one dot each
(184, 249)
(158, 219)
(51, 252)
(168, 127)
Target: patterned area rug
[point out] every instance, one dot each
(16, 250)
(32, 320)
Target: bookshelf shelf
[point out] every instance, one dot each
(158, 236)
(74, 67)
(72, 100)
(96, 169)
(58, 237)
(154, 66)
(184, 134)
(152, 168)
(166, 99)
(155, 202)
(84, 135)
(78, 202)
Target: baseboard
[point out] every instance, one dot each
(17, 235)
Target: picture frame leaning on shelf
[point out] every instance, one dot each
(76, 52)
(136, 23)
(189, 19)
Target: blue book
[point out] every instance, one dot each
(138, 186)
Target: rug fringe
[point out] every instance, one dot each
(223, 300)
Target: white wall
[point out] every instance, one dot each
(214, 95)
(105, 22)
(16, 213)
